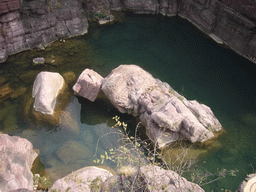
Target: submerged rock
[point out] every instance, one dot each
(16, 158)
(72, 151)
(38, 61)
(167, 115)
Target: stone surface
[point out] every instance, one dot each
(16, 158)
(248, 185)
(45, 91)
(70, 117)
(88, 84)
(81, 179)
(28, 24)
(71, 151)
(38, 61)
(159, 179)
(166, 115)
(149, 178)
(5, 92)
(69, 77)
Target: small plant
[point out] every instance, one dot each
(40, 183)
(96, 184)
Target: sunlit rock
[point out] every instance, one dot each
(38, 61)
(248, 185)
(45, 91)
(16, 158)
(81, 179)
(88, 84)
(167, 116)
(18, 92)
(158, 178)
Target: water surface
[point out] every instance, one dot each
(172, 50)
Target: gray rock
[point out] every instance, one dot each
(39, 61)
(157, 179)
(81, 179)
(248, 185)
(167, 115)
(16, 158)
(88, 84)
(45, 91)
(149, 178)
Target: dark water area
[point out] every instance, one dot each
(172, 50)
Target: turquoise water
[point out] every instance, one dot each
(172, 50)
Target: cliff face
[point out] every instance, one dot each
(29, 23)
(229, 21)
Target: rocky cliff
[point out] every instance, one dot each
(25, 24)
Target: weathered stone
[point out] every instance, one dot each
(248, 185)
(72, 151)
(148, 178)
(45, 91)
(81, 179)
(17, 156)
(29, 76)
(39, 61)
(69, 77)
(18, 92)
(88, 84)
(167, 115)
(159, 179)
(5, 92)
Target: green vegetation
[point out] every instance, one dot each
(134, 153)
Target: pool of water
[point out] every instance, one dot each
(172, 50)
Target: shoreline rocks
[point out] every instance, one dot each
(37, 23)
(16, 159)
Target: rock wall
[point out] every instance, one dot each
(25, 24)
(227, 21)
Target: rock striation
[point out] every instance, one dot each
(230, 21)
(16, 159)
(148, 178)
(167, 116)
(88, 84)
(28, 24)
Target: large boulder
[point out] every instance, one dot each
(82, 179)
(166, 115)
(149, 178)
(88, 84)
(46, 88)
(248, 185)
(16, 159)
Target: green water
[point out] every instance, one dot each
(172, 50)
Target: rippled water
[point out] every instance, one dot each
(172, 50)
